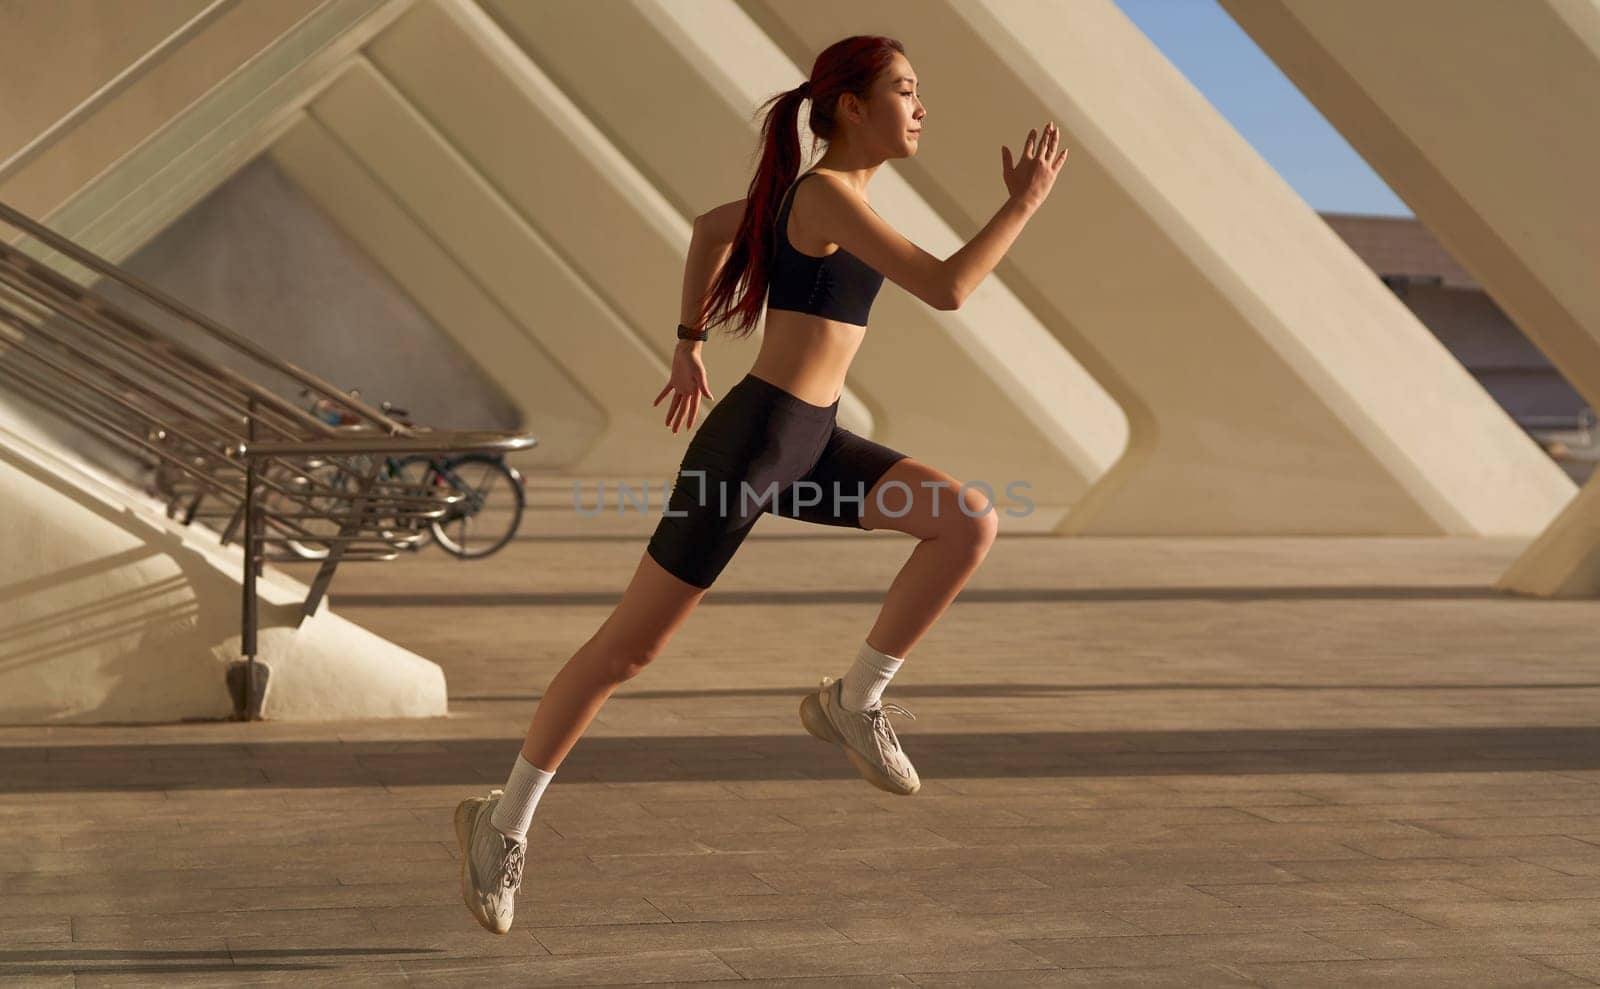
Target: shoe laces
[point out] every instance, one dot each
(880, 721)
(511, 872)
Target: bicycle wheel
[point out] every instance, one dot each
(490, 509)
(418, 472)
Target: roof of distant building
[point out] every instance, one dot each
(1399, 247)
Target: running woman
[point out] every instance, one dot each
(815, 252)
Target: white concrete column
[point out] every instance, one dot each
(1481, 116)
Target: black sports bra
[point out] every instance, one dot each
(839, 286)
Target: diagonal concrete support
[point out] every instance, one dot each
(39, 182)
(72, 56)
(1482, 117)
(210, 138)
(1273, 385)
(517, 266)
(566, 422)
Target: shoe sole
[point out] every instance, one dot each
(817, 723)
(464, 814)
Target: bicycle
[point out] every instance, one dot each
(482, 522)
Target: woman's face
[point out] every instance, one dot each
(895, 111)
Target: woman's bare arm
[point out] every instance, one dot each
(968, 267)
(722, 223)
(707, 252)
(857, 228)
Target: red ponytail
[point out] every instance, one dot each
(848, 66)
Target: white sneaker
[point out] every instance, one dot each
(869, 741)
(491, 863)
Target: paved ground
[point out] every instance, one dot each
(1146, 762)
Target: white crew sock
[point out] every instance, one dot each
(863, 684)
(513, 815)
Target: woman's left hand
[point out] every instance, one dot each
(686, 383)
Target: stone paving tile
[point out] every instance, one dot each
(1454, 812)
(866, 928)
(581, 970)
(563, 911)
(1074, 897)
(142, 926)
(1144, 977)
(709, 827)
(688, 908)
(1514, 846)
(844, 981)
(1450, 913)
(1074, 865)
(1578, 864)
(1467, 870)
(1538, 941)
(418, 943)
(245, 856)
(1507, 971)
(375, 976)
(1232, 949)
(1175, 849)
(1584, 828)
(1229, 919)
(1482, 793)
(826, 838)
(1343, 831)
(176, 899)
(36, 929)
(626, 938)
(714, 864)
(1585, 966)
(1314, 893)
(124, 881)
(844, 880)
(1543, 888)
(908, 954)
(63, 979)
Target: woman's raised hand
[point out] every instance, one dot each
(686, 383)
(1035, 173)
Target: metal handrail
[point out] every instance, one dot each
(244, 345)
(214, 434)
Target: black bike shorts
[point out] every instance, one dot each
(762, 450)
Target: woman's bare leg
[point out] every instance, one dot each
(653, 607)
(951, 544)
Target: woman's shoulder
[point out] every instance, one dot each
(836, 182)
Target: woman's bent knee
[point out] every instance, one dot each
(972, 524)
(628, 666)
(618, 662)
